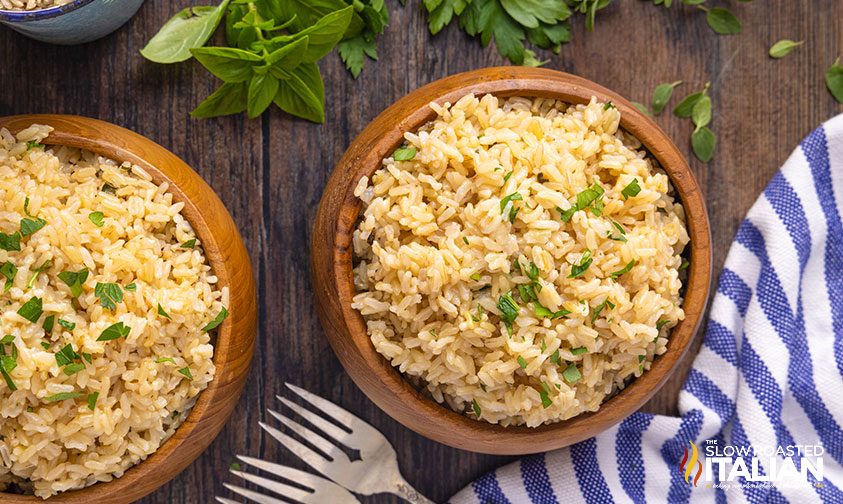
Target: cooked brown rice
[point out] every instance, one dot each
(442, 239)
(123, 397)
(29, 5)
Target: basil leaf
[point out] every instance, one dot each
(662, 94)
(262, 89)
(704, 142)
(227, 63)
(783, 47)
(190, 28)
(230, 98)
(303, 93)
(287, 57)
(834, 80)
(325, 33)
(722, 21)
(701, 113)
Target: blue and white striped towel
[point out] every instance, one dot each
(769, 374)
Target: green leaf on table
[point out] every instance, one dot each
(442, 12)
(190, 28)
(353, 52)
(530, 13)
(686, 106)
(701, 113)
(323, 36)
(303, 93)
(662, 94)
(722, 21)
(262, 89)
(834, 80)
(703, 142)
(227, 63)
(783, 47)
(230, 98)
(287, 57)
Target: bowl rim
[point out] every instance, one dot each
(20, 16)
(332, 265)
(235, 338)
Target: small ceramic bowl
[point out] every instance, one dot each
(76, 22)
(235, 338)
(333, 282)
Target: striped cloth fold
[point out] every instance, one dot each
(768, 377)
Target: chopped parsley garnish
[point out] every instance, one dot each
(30, 226)
(545, 395)
(92, 400)
(509, 310)
(640, 363)
(475, 407)
(66, 356)
(98, 218)
(189, 244)
(522, 362)
(578, 269)
(621, 237)
(527, 293)
(566, 215)
(508, 209)
(217, 320)
(162, 312)
(132, 287)
(114, 332)
(235, 466)
(10, 242)
(186, 371)
(49, 323)
(40, 269)
(32, 309)
(8, 270)
(600, 308)
(9, 338)
(609, 105)
(74, 280)
(684, 265)
(45, 345)
(661, 323)
(475, 277)
(72, 369)
(597, 207)
(88, 357)
(160, 360)
(8, 362)
(109, 294)
(404, 153)
(533, 272)
(67, 325)
(506, 177)
(465, 240)
(108, 188)
(554, 357)
(571, 374)
(541, 311)
(589, 196)
(631, 190)
(33, 144)
(625, 269)
(579, 350)
(63, 396)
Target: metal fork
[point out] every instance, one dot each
(319, 490)
(377, 470)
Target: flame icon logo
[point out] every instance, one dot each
(686, 467)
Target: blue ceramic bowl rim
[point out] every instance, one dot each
(14, 16)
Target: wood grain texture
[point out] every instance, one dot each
(270, 173)
(332, 263)
(234, 341)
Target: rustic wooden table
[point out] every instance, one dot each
(270, 172)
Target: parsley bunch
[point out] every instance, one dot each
(272, 50)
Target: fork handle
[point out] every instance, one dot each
(409, 494)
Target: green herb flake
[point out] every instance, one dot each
(132, 287)
(66, 355)
(92, 400)
(49, 323)
(72, 369)
(661, 323)
(162, 313)
(186, 372)
(109, 294)
(404, 153)
(565, 215)
(67, 325)
(115, 331)
(465, 240)
(684, 265)
(783, 47)
(546, 402)
(577, 270)
(98, 218)
(626, 269)
(507, 206)
(509, 310)
(222, 315)
(608, 105)
(662, 95)
(189, 244)
(31, 226)
(522, 362)
(7, 339)
(579, 350)
(722, 21)
(10, 242)
(45, 345)
(10, 271)
(476, 408)
(88, 357)
(33, 144)
(40, 269)
(506, 177)
(32, 309)
(161, 360)
(571, 374)
(703, 143)
(476, 277)
(63, 396)
(631, 190)
(600, 308)
(834, 80)
(554, 358)
(74, 280)
(235, 466)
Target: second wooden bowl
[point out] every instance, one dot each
(334, 287)
(229, 261)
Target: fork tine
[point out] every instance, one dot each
(275, 486)
(222, 500)
(300, 477)
(259, 498)
(316, 460)
(326, 426)
(320, 442)
(339, 414)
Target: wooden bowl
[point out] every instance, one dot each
(332, 265)
(230, 262)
